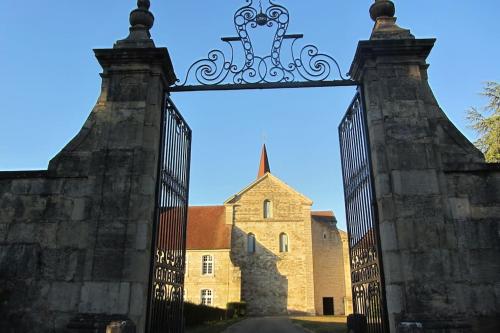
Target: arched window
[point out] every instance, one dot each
(251, 243)
(283, 242)
(207, 263)
(268, 209)
(206, 297)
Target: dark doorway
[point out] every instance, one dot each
(328, 306)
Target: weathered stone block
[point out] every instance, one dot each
(112, 235)
(415, 182)
(22, 233)
(388, 236)
(484, 265)
(73, 234)
(19, 261)
(136, 266)
(392, 267)
(410, 327)
(62, 264)
(402, 156)
(77, 187)
(386, 208)
(405, 231)
(145, 185)
(108, 264)
(143, 207)
(20, 186)
(115, 205)
(41, 233)
(460, 208)
(45, 186)
(138, 298)
(382, 184)
(64, 296)
(395, 297)
(81, 209)
(4, 227)
(58, 208)
(103, 297)
(485, 212)
(145, 159)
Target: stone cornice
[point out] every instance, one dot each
(131, 56)
(400, 48)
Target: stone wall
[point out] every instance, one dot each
(274, 282)
(225, 282)
(347, 273)
(328, 267)
(438, 203)
(77, 237)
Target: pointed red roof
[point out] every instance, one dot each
(264, 163)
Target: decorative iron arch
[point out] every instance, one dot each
(308, 67)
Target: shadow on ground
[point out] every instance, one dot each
(323, 324)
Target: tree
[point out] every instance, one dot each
(487, 123)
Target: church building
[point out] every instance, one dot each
(265, 247)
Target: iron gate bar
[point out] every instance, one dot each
(277, 85)
(362, 218)
(165, 296)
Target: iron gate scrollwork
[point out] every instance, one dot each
(280, 68)
(362, 220)
(165, 310)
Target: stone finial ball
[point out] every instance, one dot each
(143, 4)
(382, 8)
(142, 17)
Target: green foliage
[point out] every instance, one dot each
(197, 314)
(236, 309)
(487, 123)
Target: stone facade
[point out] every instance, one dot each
(271, 280)
(275, 282)
(224, 282)
(331, 270)
(76, 239)
(438, 202)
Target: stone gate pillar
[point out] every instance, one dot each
(431, 186)
(117, 152)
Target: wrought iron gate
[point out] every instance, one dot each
(165, 307)
(362, 220)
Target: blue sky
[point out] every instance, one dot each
(49, 82)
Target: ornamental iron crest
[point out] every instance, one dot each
(305, 67)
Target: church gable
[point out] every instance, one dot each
(269, 198)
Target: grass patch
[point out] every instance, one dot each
(322, 324)
(213, 327)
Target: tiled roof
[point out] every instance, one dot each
(324, 216)
(207, 228)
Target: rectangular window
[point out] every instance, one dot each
(207, 265)
(251, 243)
(206, 297)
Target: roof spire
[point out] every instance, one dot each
(264, 163)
